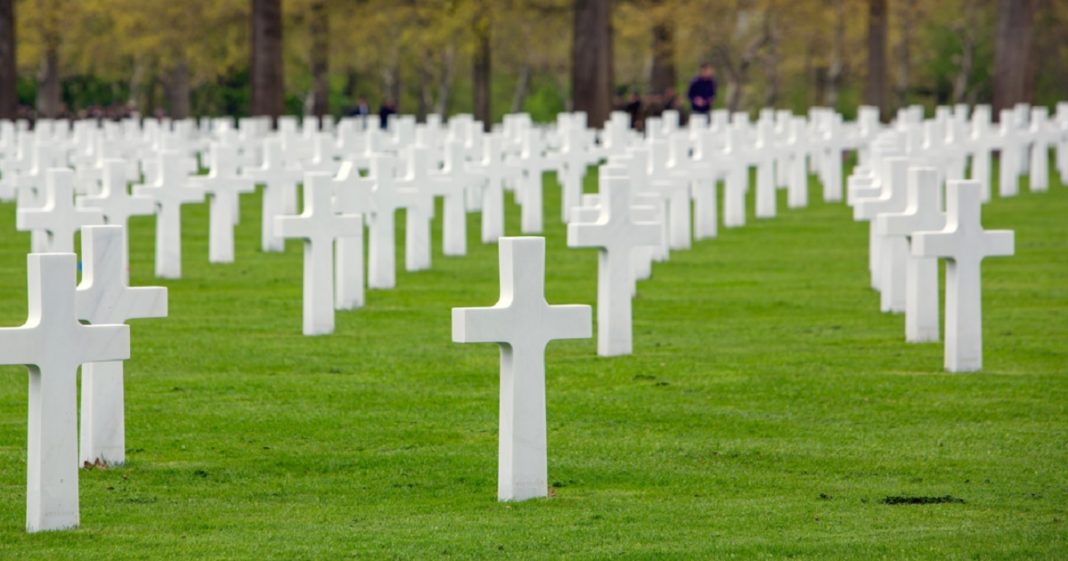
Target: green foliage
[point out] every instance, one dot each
(546, 101)
(89, 91)
(228, 95)
(775, 52)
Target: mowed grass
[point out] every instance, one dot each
(768, 411)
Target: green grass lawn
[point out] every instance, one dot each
(768, 411)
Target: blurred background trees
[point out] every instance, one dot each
(490, 57)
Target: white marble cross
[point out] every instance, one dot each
(982, 138)
(573, 160)
(708, 167)
(387, 197)
(736, 179)
(53, 344)
(1042, 133)
(58, 220)
(319, 226)
(964, 244)
(533, 162)
(495, 172)
(645, 208)
(765, 153)
(617, 235)
(1010, 154)
(105, 297)
(451, 184)
(523, 324)
(279, 191)
(417, 183)
(833, 144)
(114, 199)
(224, 187)
(797, 176)
(170, 191)
(30, 184)
(892, 252)
(923, 213)
(352, 196)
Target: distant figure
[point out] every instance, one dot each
(388, 108)
(361, 109)
(633, 107)
(702, 92)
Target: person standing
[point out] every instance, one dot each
(388, 109)
(702, 91)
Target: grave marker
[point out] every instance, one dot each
(53, 344)
(616, 234)
(170, 191)
(522, 323)
(104, 297)
(319, 226)
(964, 244)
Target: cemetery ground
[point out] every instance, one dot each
(769, 410)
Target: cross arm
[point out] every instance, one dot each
(586, 234)
(482, 325)
(935, 244)
(20, 345)
(897, 224)
(574, 321)
(1000, 242)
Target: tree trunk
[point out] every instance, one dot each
(448, 64)
(424, 98)
(875, 87)
(522, 87)
(8, 94)
(177, 85)
(967, 31)
(1014, 77)
(48, 87)
(267, 77)
(482, 60)
(591, 60)
(664, 75)
(836, 71)
(319, 27)
(908, 10)
(771, 59)
(137, 78)
(351, 83)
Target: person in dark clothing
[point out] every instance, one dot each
(388, 108)
(633, 107)
(702, 91)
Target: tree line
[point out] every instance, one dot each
(489, 57)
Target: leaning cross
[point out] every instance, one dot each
(52, 344)
(964, 243)
(106, 298)
(523, 324)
